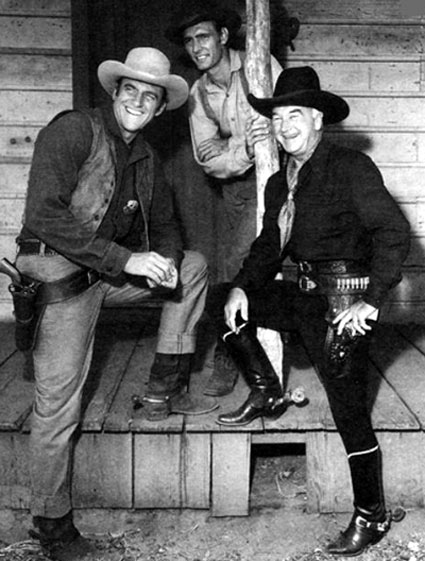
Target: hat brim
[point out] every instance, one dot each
(333, 107)
(110, 71)
(225, 18)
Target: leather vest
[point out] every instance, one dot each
(97, 181)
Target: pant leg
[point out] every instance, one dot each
(62, 357)
(348, 402)
(240, 203)
(181, 309)
(347, 396)
(180, 316)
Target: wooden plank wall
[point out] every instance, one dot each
(369, 51)
(372, 52)
(35, 83)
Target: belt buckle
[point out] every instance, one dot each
(306, 284)
(305, 267)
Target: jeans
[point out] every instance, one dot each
(240, 204)
(62, 358)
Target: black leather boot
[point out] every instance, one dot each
(365, 529)
(225, 373)
(61, 540)
(266, 397)
(168, 389)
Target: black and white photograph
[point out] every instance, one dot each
(212, 280)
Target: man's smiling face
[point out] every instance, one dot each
(204, 44)
(297, 129)
(135, 104)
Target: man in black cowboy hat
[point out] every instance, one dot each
(100, 228)
(328, 210)
(220, 119)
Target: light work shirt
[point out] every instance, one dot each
(230, 110)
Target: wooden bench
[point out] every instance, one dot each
(124, 461)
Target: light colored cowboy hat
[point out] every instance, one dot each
(301, 86)
(195, 11)
(147, 65)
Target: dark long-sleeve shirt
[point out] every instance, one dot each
(60, 151)
(343, 211)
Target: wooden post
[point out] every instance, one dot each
(259, 78)
(258, 70)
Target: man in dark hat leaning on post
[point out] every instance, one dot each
(329, 211)
(100, 228)
(220, 118)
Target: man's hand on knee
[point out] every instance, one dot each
(159, 271)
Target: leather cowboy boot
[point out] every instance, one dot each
(370, 523)
(225, 373)
(168, 389)
(266, 397)
(367, 527)
(61, 540)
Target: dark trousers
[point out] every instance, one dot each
(281, 306)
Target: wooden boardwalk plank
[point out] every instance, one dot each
(172, 470)
(102, 474)
(328, 477)
(403, 467)
(114, 347)
(195, 464)
(14, 462)
(230, 474)
(414, 334)
(157, 470)
(16, 396)
(403, 366)
(7, 347)
(389, 411)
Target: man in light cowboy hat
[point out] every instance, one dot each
(328, 210)
(220, 120)
(100, 222)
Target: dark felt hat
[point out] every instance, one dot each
(195, 11)
(301, 86)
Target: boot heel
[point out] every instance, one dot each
(277, 409)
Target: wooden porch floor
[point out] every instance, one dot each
(124, 461)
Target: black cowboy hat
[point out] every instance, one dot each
(301, 86)
(195, 11)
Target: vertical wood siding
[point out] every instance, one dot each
(35, 83)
